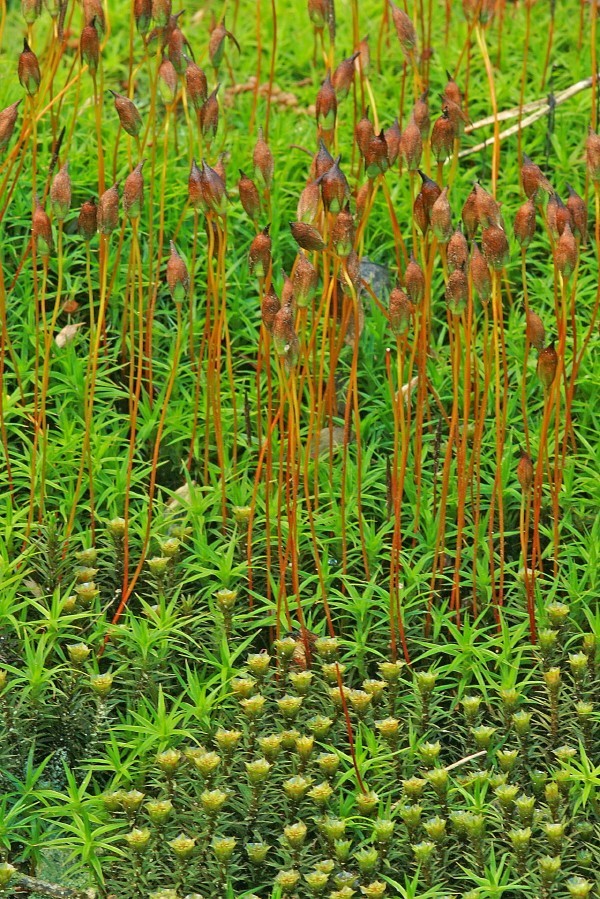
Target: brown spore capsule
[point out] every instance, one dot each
(178, 277)
(565, 253)
(269, 308)
(457, 291)
(108, 210)
(306, 236)
(249, 196)
(344, 76)
(534, 330)
(195, 84)
(414, 281)
(28, 69)
(133, 191)
(495, 246)
(264, 164)
(129, 116)
(457, 251)
(209, 114)
(60, 193)
(547, 365)
(524, 226)
(411, 146)
(579, 214)
(87, 221)
(259, 255)
(400, 311)
(8, 119)
(525, 472)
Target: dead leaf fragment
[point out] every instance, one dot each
(66, 334)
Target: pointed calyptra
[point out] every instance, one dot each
(249, 196)
(28, 69)
(195, 84)
(259, 255)
(60, 193)
(414, 281)
(213, 189)
(547, 365)
(344, 76)
(209, 114)
(8, 119)
(452, 90)
(89, 47)
(133, 191)
(262, 159)
(87, 221)
(129, 116)
(41, 230)
(323, 160)
(411, 146)
(524, 226)
(424, 202)
(326, 105)
(334, 187)
(216, 44)
(108, 210)
(305, 280)
(178, 277)
(176, 45)
(579, 214)
(407, 34)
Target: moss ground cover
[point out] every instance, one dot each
(298, 374)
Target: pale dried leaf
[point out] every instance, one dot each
(66, 334)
